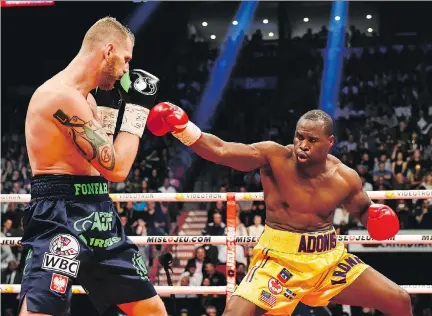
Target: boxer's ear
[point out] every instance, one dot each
(331, 140)
(108, 51)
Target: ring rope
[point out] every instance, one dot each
(202, 290)
(217, 196)
(251, 240)
(231, 239)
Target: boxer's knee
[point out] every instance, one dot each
(151, 307)
(404, 303)
(400, 305)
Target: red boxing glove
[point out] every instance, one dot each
(166, 117)
(156, 119)
(382, 222)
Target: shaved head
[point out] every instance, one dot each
(313, 137)
(105, 30)
(321, 116)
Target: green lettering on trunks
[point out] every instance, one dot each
(103, 243)
(139, 264)
(91, 188)
(77, 188)
(101, 221)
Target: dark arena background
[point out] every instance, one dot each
(245, 71)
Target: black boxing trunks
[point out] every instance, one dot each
(74, 235)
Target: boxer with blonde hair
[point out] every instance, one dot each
(71, 227)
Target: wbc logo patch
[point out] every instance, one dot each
(61, 258)
(284, 276)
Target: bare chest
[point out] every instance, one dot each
(285, 187)
(316, 196)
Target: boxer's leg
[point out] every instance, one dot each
(151, 307)
(47, 281)
(237, 305)
(24, 312)
(372, 289)
(118, 275)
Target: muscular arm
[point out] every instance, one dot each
(238, 156)
(75, 118)
(358, 201)
(93, 105)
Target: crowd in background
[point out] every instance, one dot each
(383, 131)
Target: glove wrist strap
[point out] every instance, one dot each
(108, 118)
(189, 135)
(134, 119)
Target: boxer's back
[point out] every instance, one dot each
(49, 150)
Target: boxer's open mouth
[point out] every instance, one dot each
(301, 156)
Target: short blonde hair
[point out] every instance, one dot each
(105, 28)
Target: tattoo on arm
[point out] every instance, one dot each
(89, 138)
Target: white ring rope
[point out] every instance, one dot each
(231, 239)
(215, 196)
(221, 290)
(250, 240)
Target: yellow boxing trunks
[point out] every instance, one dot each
(288, 268)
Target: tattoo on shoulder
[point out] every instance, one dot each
(89, 138)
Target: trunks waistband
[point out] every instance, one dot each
(92, 188)
(298, 243)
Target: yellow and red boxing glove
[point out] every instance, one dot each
(382, 222)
